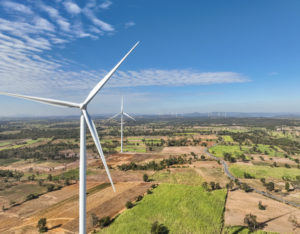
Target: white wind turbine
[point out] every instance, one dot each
(85, 119)
(121, 113)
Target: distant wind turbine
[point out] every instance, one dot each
(85, 119)
(121, 113)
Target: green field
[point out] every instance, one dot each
(133, 149)
(8, 161)
(227, 138)
(75, 172)
(186, 176)
(220, 149)
(264, 171)
(180, 208)
(135, 138)
(5, 143)
(27, 143)
(243, 230)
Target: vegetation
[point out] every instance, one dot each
(196, 211)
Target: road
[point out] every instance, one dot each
(226, 170)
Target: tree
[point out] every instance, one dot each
(275, 164)
(260, 206)
(129, 205)
(30, 196)
(67, 182)
(157, 228)
(231, 184)
(287, 186)
(270, 186)
(40, 182)
(145, 177)
(202, 157)
(212, 185)
(42, 225)
(104, 222)
(263, 180)
(227, 186)
(50, 187)
(148, 191)
(150, 148)
(250, 221)
(218, 186)
(236, 181)
(49, 177)
(94, 219)
(245, 187)
(205, 185)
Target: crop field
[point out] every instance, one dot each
(180, 208)
(30, 142)
(227, 138)
(183, 150)
(186, 176)
(218, 150)
(132, 149)
(264, 171)
(8, 161)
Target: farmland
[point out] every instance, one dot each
(171, 152)
(180, 208)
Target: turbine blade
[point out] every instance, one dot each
(96, 89)
(114, 116)
(48, 101)
(128, 116)
(95, 136)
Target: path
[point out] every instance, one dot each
(226, 170)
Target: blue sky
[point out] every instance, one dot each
(195, 56)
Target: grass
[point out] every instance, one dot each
(186, 176)
(8, 161)
(4, 143)
(271, 152)
(264, 171)
(135, 138)
(180, 208)
(27, 143)
(74, 172)
(243, 230)
(227, 138)
(234, 150)
(126, 149)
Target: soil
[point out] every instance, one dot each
(275, 217)
(183, 150)
(206, 164)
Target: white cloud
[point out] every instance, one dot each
(54, 14)
(129, 24)
(105, 5)
(16, 7)
(104, 26)
(72, 7)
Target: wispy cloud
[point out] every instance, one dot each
(104, 26)
(129, 24)
(16, 7)
(72, 7)
(105, 5)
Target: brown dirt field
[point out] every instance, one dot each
(213, 174)
(119, 176)
(206, 164)
(109, 208)
(183, 150)
(275, 216)
(204, 137)
(61, 215)
(17, 215)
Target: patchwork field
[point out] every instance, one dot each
(275, 217)
(183, 150)
(264, 171)
(180, 208)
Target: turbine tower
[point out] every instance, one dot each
(85, 120)
(121, 113)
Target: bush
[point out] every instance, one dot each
(30, 196)
(218, 186)
(129, 205)
(42, 225)
(148, 191)
(260, 206)
(104, 222)
(145, 177)
(12, 202)
(139, 198)
(287, 186)
(153, 186)
(50, 187)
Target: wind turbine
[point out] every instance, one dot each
(121, 113)
(85, 119)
